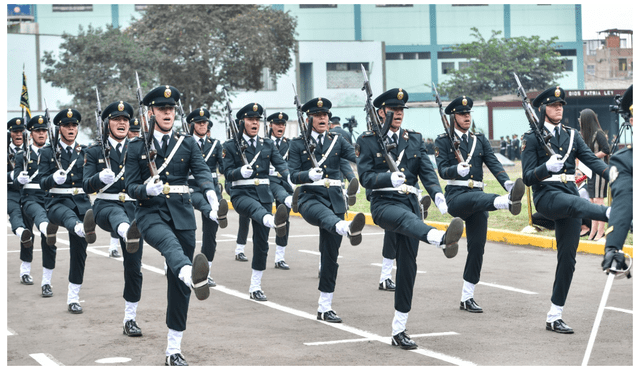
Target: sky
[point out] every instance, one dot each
(602, 15)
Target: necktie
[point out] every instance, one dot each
(395, 138)
(319, 147)
(69, 151)
(165, 141)
(464, 138)
(118, 148)
(251, 142)
(278, 143)
(201, 143)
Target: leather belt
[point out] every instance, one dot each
(326, 183)
(256, 181)
(466, 183)
(31, 186)
(405, 189)
(561, 178)
(122, 197)
(213, 175)
(67, 191)
(175, 189)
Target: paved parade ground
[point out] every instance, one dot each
(229, 329)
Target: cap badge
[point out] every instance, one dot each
(255, 107)
(201, 112)
(40, 120)
(167, 92)
(280, 116)
(69, 113)
(400, 94)
(464, 101)
(121, 106)
(557, 92)
(631, 109)
(18, 122)
(320, 103)
(135, 121)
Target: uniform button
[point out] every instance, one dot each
(325, 166)
(402, 169)
(123, 190)
(167, 173)
(561, 148)
(120, 166)
(470, 165)
(257, 166)
(168, 196)
(71, 174)
(122, 178)
(472, 176)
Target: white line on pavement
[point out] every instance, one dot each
(380, 265)
(508, 288)
(10, 332)
(45, 359)
(369, 339)
(620, 310)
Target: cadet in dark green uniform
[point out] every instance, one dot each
(32, 200)
(321, 201)
(114, 210)
(16, 127)
(134, 128)
(164, 214)
(250, 189)
(464, 191)
(555, 195)
(66, 202)
(212, 155)
(621, 177)
(395, 204)
(336, 128)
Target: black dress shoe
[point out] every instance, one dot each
(26, 279)
(46, 291)
(223, 209)
(280, 220)
(355, 229)
(515, 196)
(559, 326)
(241, 257)
(133, 238)
(451, 237)
(26, 239)
(294, 199)
(387, 285)
(352, 190)
(282, 265)
(403, 341)
(114, 254)
(131, 328)
(329, 316)
(52, 229)
(89, 224)
(175, 360)
(425, 203)
(470, 305)
(258, 295)
(199, 275)
(211, 282)
(75, 308)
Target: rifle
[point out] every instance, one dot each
(27, 151)
(54, 132)
(449, 130)
(188, 129)
(102, 141)
(305, 130)
(147, 132)
(234, 132)
(373, 123)
(266, 125)
(536, 126)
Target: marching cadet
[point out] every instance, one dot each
(212, 155)
(164, 214)
(134, 128)
(395, 205)
(621, 176)
(464, 190)
(250, 189)
(114, 210)
(61, 171)
(321, 200)
(555, 194)
(32, 200)
(18, 227)
(336, 128)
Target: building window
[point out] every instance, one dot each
(268, 81)
(566, 52)
(393, 5)
(72, 7)
(141, 7)
(309, 6)
(591, 69)
(622, 64)
(448, 67)
(568, 65)
(345, 75)
(398, 56)
(462, 65)
(451, 55)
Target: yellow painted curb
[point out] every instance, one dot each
(509, 237)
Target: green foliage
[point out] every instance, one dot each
(493, 61)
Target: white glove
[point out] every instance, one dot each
(213, 201)
(508, 185)
(106, 176)
(272, 171)
(397, 179)
(153, 188)
(213, 215)
(315, 174)
(290, 182)
(246, 171)
(287, 201)
(23, 177)
(463, 169)
(584, 193)
(441, 203)
(79, 229)
(555, 164)
(59, 176)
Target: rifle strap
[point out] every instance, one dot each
(215, 143)
(570, 146)
(324, 157)
(121, 173)
(473, 148)
(168, 159)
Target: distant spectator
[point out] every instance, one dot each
(516, 146)
(510, 155)
(431, 148)
(503, 146)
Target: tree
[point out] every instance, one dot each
(492, 63)
(196, 48)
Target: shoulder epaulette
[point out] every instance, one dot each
(411, 131)
(443, 135)
(478, 134)
(367, 133)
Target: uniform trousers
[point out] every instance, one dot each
(177, 247)
(243, 230)
(108, 216)
(567, 212)
(14, 210)
(34, 213)
(60, 214)
(251, 208)
(318, 214)
(209, 227)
